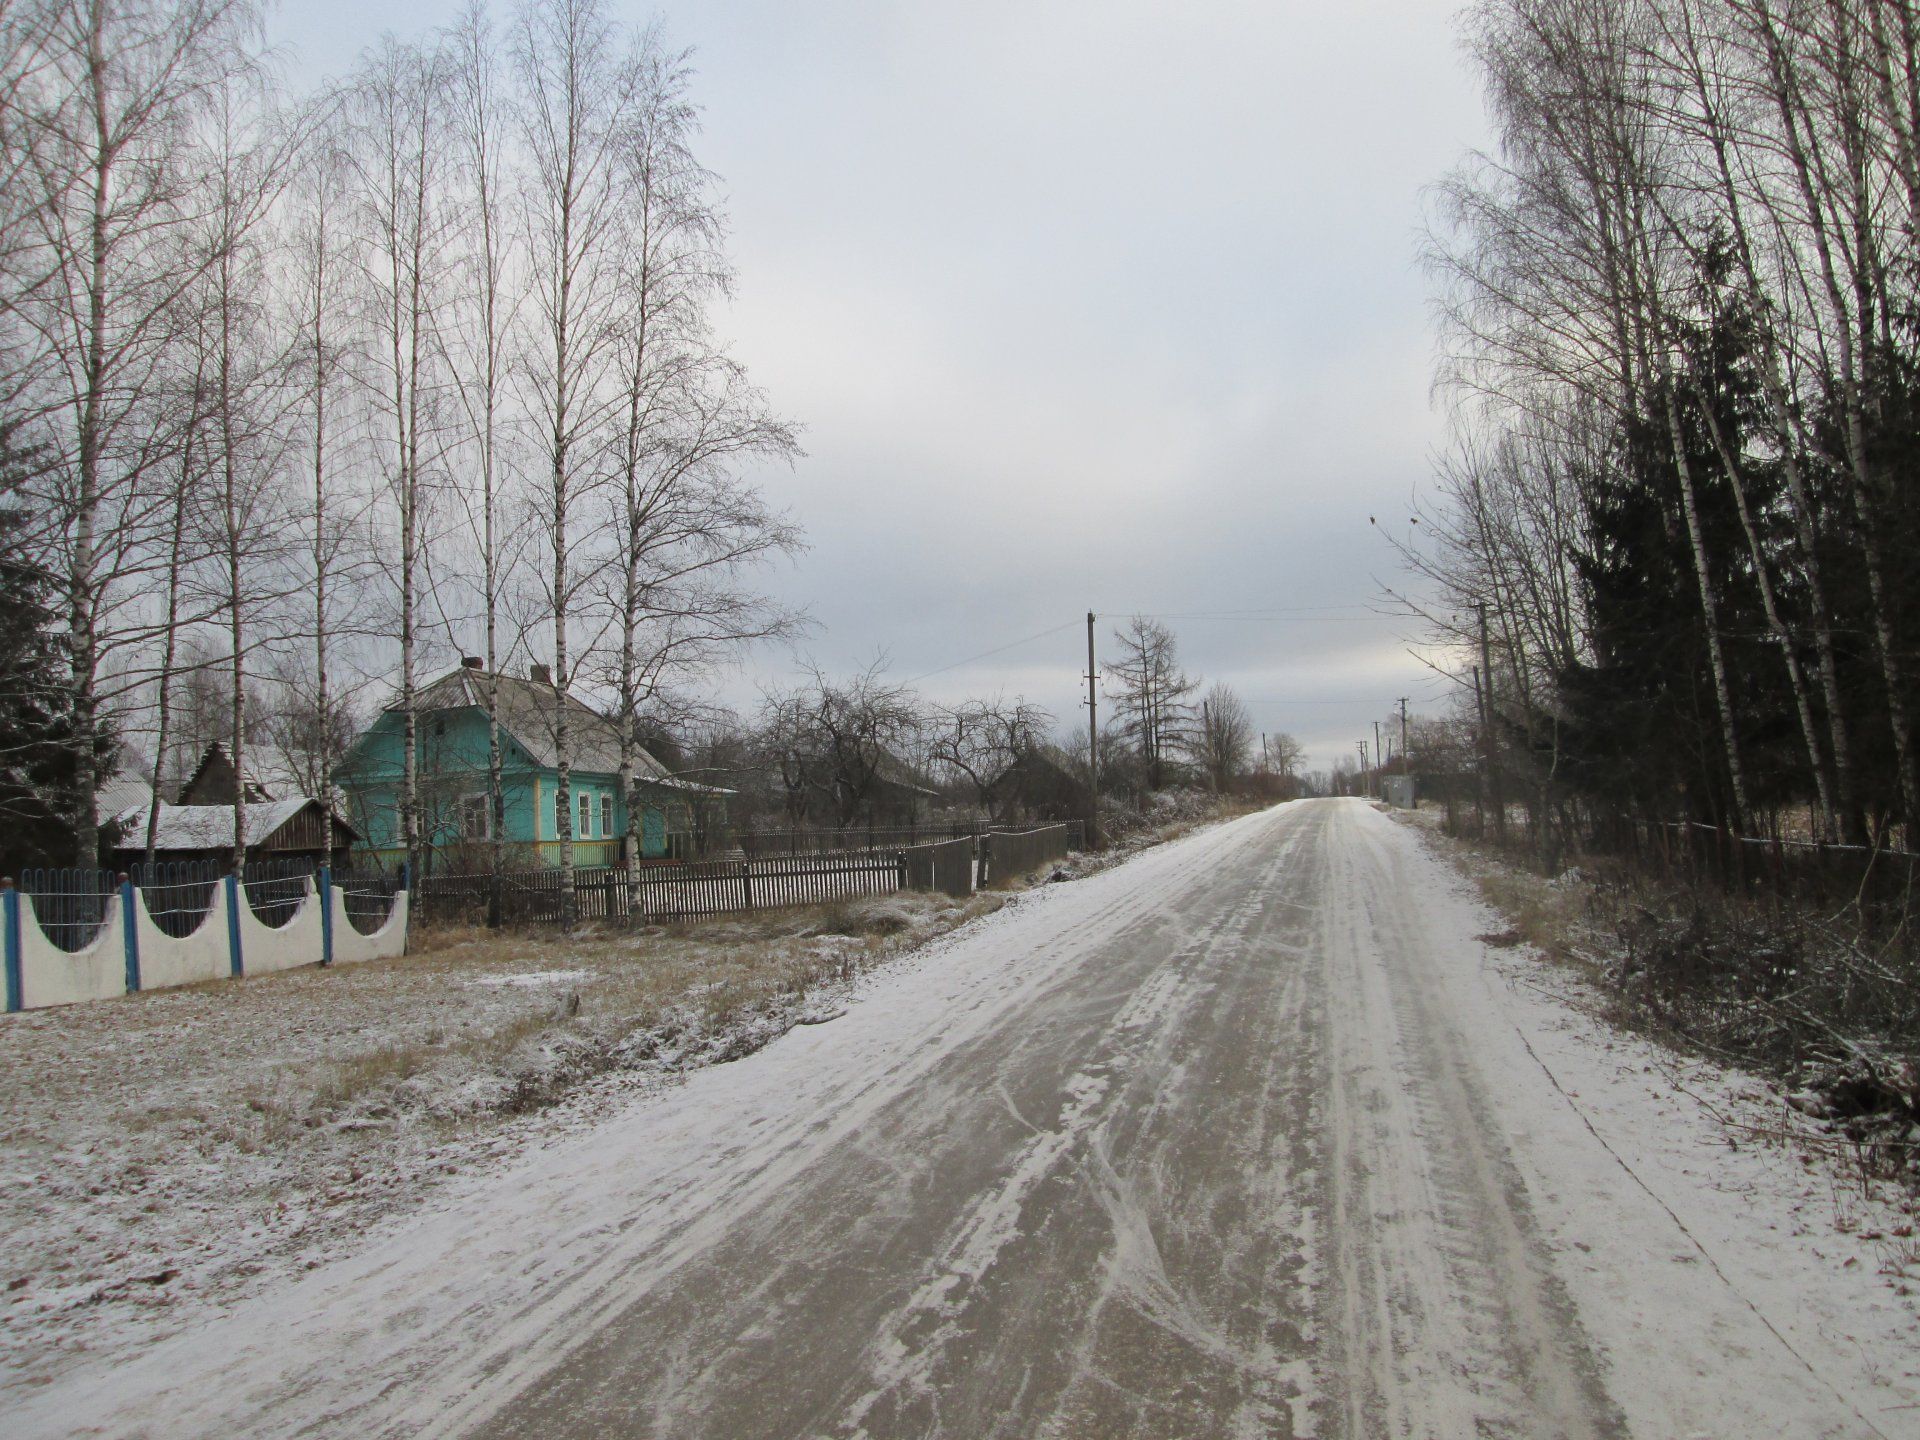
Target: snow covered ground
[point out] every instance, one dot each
(1249, 1135)
(164, 1155)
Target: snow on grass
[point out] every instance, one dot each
(171, 1151)
(1741, 1194)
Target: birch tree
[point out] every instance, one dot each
(579, 91)
(102, 106)
(398, 155)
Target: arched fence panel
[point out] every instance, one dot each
(276, 889)
(74, 935)
(70, 906)
(367, 898)
(179, 895)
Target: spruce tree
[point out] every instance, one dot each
(38, 771)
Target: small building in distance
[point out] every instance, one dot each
(1044, 783)
(199, 827)
(450, 751)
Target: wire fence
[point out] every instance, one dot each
(71, 906)
(367, 896)
(178, 894)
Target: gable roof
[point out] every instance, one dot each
(213, 780)
(1044, 755)
(527, 712)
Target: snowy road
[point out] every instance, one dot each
(1244, 1137)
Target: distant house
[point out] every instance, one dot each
(451, 754)
(199, 826)
(857, 790)
(1044, 783)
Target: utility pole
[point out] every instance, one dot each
(1206, 745)
(1496, 798)
(1093, 742)
(1366, 780)
(1406, 755)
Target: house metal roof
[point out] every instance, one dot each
(529, 713)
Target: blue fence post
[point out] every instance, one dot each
(325, 884)
(130, 933)
(10, 936)
(236, 966)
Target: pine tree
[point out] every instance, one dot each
(39, 776)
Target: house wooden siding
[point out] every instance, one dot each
(451, 754)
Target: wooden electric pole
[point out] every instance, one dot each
(1093, 742)
(1494, 795)
(1406, 755)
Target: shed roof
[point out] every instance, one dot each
(210, 827)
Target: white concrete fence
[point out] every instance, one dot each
(132, 953)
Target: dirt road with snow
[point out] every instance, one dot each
(1249, 1136)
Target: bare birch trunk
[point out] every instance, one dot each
(1709, 609)
(1763, 577)
(1864, 488)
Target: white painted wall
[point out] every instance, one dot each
(386, 943)
(165, 961)
(50, 976)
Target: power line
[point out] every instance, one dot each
(997, 650)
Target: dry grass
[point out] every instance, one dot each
(1555, 917)
(1764, 984)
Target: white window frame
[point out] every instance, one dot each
(485, 828)
(606, 817)
(585, 832)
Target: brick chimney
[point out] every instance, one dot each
(472, 662)
(541, 674)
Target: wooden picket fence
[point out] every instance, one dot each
(664, 893)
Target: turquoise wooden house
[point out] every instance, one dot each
(451, 746)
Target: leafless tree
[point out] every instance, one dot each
(1226, 736)
(1153, 696)
(490, 294)
(398, 153)
(686, 527)
(580, 88)
(101, 104)
(979, 741)
(835, 744)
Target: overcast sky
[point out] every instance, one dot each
(1106, 306)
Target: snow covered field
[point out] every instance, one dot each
(1250, 1135)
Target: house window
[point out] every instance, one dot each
(586, 816)
(606, 817)
(475, 812)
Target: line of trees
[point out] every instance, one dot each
(861, 749)
(1680, 299)
(306, 388)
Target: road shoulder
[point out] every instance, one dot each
(1695, 1214)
